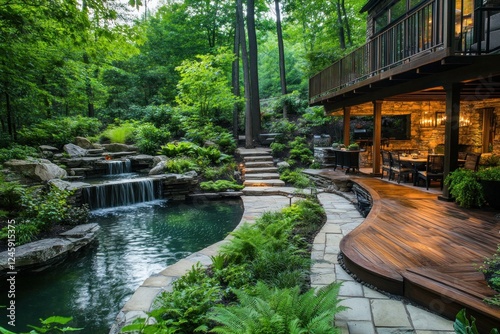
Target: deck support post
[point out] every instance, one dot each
(347, 125)
(451, 132)
(377, 136)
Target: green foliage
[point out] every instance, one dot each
(182, 148)
(149, 138)
(10, 195)
(204, 156)
(300, 151)
(226, 171)
(285, 129)
(491, 271)
(17, 152)
(465, 188)
(353, 147)
(204, 87)
(489, 174)
(181, 165)
(296, 178)
(490, 160)
(220, 185)
(26, 231)
(277, 148)
(120, 132)
(59, 131)
(54, 324)
(315, 116)
(462, 325)
(273, 311)
(209, 133)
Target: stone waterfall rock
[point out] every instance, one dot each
(84, 143)
(38, 170)
(74, 150)
(158, 165)
(40, 255)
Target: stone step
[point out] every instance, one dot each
(258, 158)
(254, 164)
(262, 176)
(248, 152)
(258, 170)
(264, 183)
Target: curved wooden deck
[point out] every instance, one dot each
(413, 244)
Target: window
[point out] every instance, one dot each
(393, 12)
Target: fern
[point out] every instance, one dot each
(272, 310)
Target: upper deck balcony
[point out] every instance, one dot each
(432, 38)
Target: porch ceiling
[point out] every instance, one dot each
(480, 76)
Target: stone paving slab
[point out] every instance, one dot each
(370, 312)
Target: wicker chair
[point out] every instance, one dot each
(472, 161)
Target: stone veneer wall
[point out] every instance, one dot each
(424, 138)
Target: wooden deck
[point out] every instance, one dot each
(414, 245)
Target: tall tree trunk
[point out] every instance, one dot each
(88, 84)
(249, 140)
(253, 67)
(235, 77)
(281, 51)
(346, 24)
(341, 26)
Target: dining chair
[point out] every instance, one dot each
(434, 170)
(386, 164)
(472, 161)
(399, 168)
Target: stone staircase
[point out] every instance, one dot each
(259, 169)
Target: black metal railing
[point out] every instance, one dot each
(417, 33)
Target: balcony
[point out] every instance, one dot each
(423, 38)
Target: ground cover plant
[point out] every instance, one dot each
(258, 283)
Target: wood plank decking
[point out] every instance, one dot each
(413, 244)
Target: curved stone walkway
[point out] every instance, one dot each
(370, 312)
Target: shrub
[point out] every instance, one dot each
(295, 178)
(149, 138)
(491, 271)
(59, 131)
(465, 188)
(300, 151)
(121, 132)
(183, 148)
(226, 171)
(273, 311)
(462, 325)
(10, 195)
(181, 165)
(17, 152)
(27, 231)
(220, 185)
(210, 133)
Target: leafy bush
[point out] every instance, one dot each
(26, 231)
(300, 151)
(489, 174)
(10, 195)
(273, 311)
(296, 178)
(54, 324)
(491, 271)
(226, 171)
(178, 149)
(121, 132)
(465, 188)
(462, 325)
(181, 165)
(17, 152)
(59, 131)
(210, 133)
(204, 156)
(149, 138)
(220, 185)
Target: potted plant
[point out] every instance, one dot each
(465, 188)
(491, 271)
(489, 179)
(353, 147)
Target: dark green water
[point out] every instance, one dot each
(134, 243)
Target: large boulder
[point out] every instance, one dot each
(117, 147)
(158, 165)
(84, 143)
(74, 151)
(37, 170)
(41, 254)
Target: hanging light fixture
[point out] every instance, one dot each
(428, 118)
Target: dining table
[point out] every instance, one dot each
(417, 161)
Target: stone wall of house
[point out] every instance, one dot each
(424, 138)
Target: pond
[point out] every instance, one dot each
(134, 242)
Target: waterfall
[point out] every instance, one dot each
(119, 166)
(121, 193)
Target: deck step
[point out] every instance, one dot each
(262, 176)
(257, 164)
(264, 183)
(258, 158)
(248, 152)
(258, 170)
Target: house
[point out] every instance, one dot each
(436, 62)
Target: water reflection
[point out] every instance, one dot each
(134, 243)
